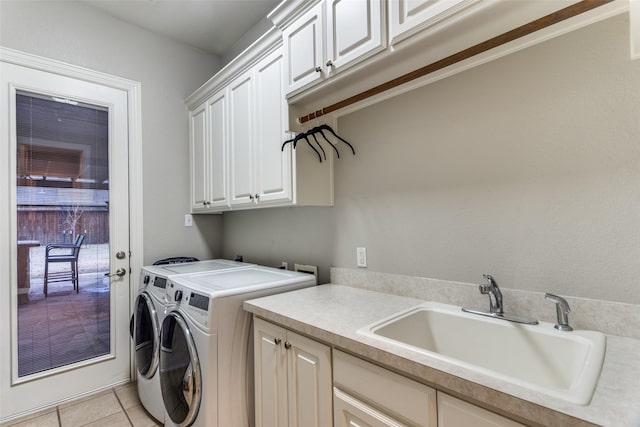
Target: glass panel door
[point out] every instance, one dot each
(64, 224)
(62, 218)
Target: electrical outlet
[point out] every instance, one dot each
(361, 257)
(188, 220)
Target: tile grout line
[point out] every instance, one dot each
(122, 406)
(59, 417)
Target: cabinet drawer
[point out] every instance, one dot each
(398, 396)
(350, 412)
(454, 412)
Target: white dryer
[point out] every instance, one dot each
(206, 353)
(149, 311)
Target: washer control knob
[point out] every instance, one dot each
(178, 296)
(146, 279)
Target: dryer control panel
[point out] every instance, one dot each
(157, 286)
(200, 301)
(191, 303)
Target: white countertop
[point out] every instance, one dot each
(333, 313)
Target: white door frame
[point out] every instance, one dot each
(133, 90)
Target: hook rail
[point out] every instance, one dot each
(523, 30)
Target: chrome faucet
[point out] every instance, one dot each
(562, 311)
(496, 309)
(495, 295)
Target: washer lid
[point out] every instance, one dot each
(209, 265)
(168, 270)
(244, 280)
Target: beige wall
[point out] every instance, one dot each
(78, 34)
(527, 168)
(303, 235)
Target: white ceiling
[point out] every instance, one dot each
(211, 25)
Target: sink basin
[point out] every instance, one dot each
(563, 365)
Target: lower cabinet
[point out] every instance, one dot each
(292, 378)
(454, 412)
(367, 395)
(351, 412)
(294, 387)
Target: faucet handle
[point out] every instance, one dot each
(562, 312)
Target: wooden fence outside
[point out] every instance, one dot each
(52, 225)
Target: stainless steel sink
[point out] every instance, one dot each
(564, 365)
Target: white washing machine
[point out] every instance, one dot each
(206, 351)
(149, 311)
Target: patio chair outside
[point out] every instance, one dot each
(63, 252)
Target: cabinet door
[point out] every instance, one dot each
(241, 133)
(217, 156)
(303, 43)
(270, 370)
(354, 31)
(309, 382)
(407, 17)
(390, 393)
(198, 152)
(273, 165)
(454, 412)
(350, 412)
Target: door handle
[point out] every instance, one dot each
(119, 272)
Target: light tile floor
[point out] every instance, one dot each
(117, 407)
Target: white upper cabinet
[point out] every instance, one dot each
(304, 48)
(208, 145)
(261, 172)
(241, 138)
(273, 166)
(355, 29)
(330, 37)
(238, 124)
(199, 166)
(408, 17)
(217, 155)
(342, 50)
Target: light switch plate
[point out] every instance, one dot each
(188, 220)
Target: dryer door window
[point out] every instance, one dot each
(146, 335)
(180, 377)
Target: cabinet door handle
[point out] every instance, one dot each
(277, 341)
(287, 345)
(251, 197)
(318, 69)
(257, 196)
(329, 63)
